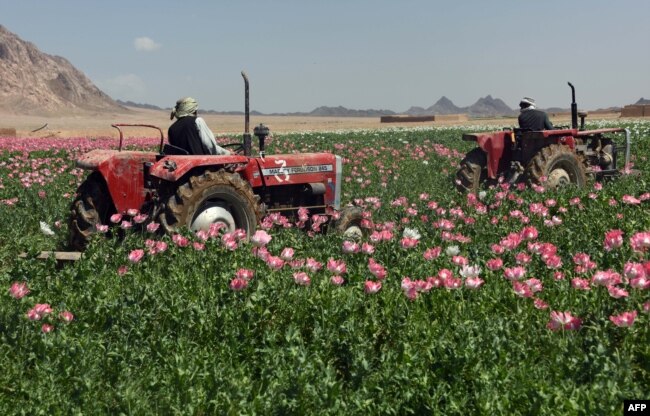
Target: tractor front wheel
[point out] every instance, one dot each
(209, 198)
(92, 207)
(349, 223)
(560, 166)
(472, 172)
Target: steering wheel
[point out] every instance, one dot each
(238, 147)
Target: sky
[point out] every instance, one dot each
(360, 54)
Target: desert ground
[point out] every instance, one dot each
(99, 124)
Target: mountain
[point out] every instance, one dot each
(642, 101)
(444, 106)
(33, 82)
(490, 107)
(139, 105)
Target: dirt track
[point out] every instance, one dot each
(96, 125)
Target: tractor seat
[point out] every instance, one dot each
(169, 149)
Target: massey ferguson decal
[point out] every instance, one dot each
(285, 171)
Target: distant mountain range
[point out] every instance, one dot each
(483, 107)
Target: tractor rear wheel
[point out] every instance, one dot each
(92, 207)
(349, 223)
(560, 166)
(472, 172)
(212, 197)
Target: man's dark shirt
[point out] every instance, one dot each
(184, 134)
(534, 120)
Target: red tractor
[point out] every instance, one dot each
(180, 190)
(551, 157)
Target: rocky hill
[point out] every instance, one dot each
(642, 101)
(483, 107)
(33, 82)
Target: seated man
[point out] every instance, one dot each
(190, 132)
(531, 118)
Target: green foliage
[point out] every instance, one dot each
(170, 336)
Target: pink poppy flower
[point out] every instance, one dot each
(453, 282)
(553, 262)
(522, 289)
(198, 246)
(350, 247)
(122, 270)
(522, 258)
(367, 248)
(261, 238)
(287, 253)
(180, 240)
(336, 266)
(540, 304)
(18, 290)
(558, 276)
(376, 269)
(47, 328)
(126, 225)
(371, 287)
(274, 262)
(633, 270)
(625, 319)
(641, 282)
(494, 264)
(237, 284)
(529, 233)
(245, 274)
(312, 265)
(474, 282)
(629, 199)
(66, 316)
(497, 249)
(39, 311)
(580, 284)
(101, 228)
(605, 278)
(132, 212)
(136, 255)
(646, 307)
(152, 227)
(563, 321)
(613, 240)
(261, 253)
(640, 241)
(140, 218)
(408, 242)
(115, 218)
(459, 260)
(432, 253)
(337, 280)
(514, 273)
(301, 278)
(535, 285)
(617, 292)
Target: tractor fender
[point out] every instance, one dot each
(493, 144)
(173, 168)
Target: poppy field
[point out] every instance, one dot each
(516, 301)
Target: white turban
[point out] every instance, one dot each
(527, 102)
(184, 107)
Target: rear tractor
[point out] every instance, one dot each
(178, 190)
(552, 158)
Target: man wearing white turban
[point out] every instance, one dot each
(190, 132)
(531, 118)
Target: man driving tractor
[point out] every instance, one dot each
(531, 118)
(190, 132)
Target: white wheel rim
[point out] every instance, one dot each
(213, 214)
(353, 231)
(559, 177)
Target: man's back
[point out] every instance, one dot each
(535, 120)
(184, 134)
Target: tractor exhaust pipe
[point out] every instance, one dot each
(247, 134)
(574, 107)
